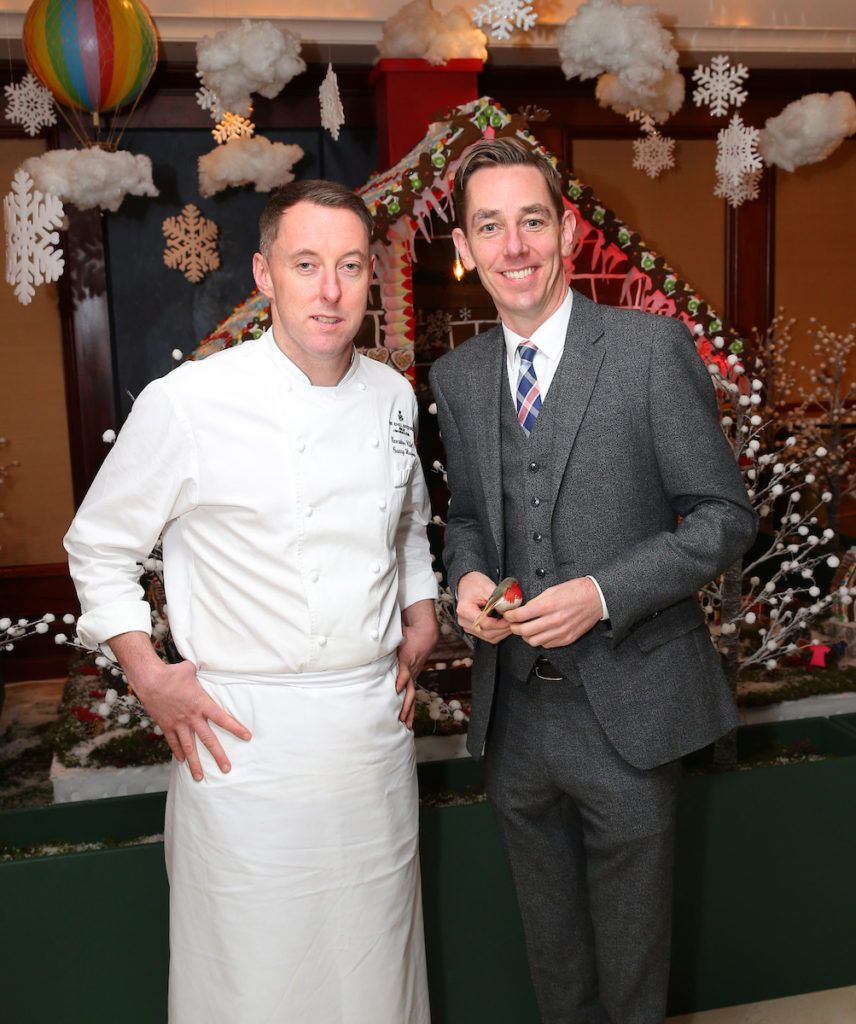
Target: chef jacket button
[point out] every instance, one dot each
(313, 576)
(361, 386)
(374, 634)
(288, 387)
(375, 567)
(373, 441)
(300, 444)
(381, 503)
(322, 641)
(308, 511)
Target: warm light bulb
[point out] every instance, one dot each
(458, 268)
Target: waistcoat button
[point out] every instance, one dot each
(534, 467)
(540, 573)
(536, 502)
(537, 538)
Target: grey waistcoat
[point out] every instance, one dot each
(526, 472)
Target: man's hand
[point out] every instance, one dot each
(559, 616)
(175, 700)
(474, 588)
(419, 625)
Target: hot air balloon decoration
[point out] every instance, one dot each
(92, 55)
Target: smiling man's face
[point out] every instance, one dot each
(317, 276)
(515, 241)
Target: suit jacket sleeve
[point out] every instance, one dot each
(463, 549)
(703, 484)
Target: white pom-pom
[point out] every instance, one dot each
(756, 385)
(49, 617)
(60, 638)
(68, 618)
(104, 709)
(41, 627)
(810, 478)
(814, 591)
(432, 408)
(756, 421)
(177, 354)
(5, 623)
(755, 399)
(769, 587)
(744, 400)
(821, 452)
(826, 496)
(771, 664)
(833, 561)
(728, 628)
(750, 618)
(124, 718)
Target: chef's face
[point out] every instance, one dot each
(515, 240)
(317, 276)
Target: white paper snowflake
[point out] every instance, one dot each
(465, 313)
(29, 104)
(232, 126)
(644, 119)
(719, 86)
(653, 154)
(32, 256)
(332, 112)
(740, 191)
(737, 151)
(191, 243)
(210, 101)
(503, 16)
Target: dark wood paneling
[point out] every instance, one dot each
(750, 259)
(28, 591)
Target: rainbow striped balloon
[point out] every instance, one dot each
(91, 54)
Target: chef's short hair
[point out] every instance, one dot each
(311, 190)
(507, 152)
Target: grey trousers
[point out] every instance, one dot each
(589, 840)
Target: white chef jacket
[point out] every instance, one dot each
(293, 516)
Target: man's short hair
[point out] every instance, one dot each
(508, 152)
(310, 190)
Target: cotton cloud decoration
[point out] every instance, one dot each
(257, 161)
(417, 30)
(255, 56)
(92, 177)
(808, 130)
(666, 99)
(628, 42)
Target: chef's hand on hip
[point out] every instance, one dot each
(474, 589)
(174, 698)
(419, 626)
(558, 616)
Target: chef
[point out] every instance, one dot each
(283, 477)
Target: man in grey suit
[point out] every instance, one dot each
(585, 458)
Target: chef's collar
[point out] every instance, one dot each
(288, 365)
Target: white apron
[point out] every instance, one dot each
(294, 879)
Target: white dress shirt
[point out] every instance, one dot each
(550, 341)
(293, 516)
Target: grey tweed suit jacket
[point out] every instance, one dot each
(646, 497)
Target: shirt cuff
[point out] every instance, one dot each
(96, 627)
(415, 588)
(604, 611)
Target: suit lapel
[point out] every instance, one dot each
(575, 379)
(487, 394)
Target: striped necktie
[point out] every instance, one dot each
(528, 392)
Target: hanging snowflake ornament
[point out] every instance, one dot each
(504, 16)
(29, 104)
(191, 243)
(643, 118)
(737, 151)
(332, 112)
(32, 254)
(719, 85)
(653, 154)
(232, 126)
(738, 192)
(210, 101)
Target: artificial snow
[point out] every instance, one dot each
(417, 30)
(93, 177)
(666, 98)
(332, 112)
(255, 56)
(808, 130)
(258, 161)
(628, 42)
